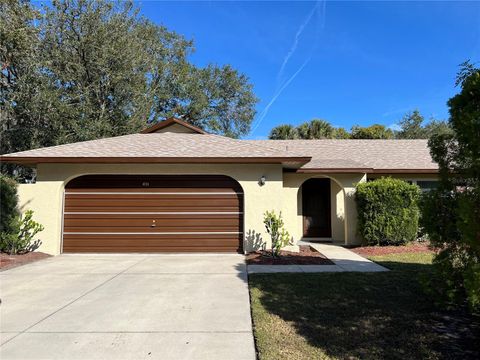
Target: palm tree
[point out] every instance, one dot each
(316, 129)
(304, 130)
(283, 132)
(340, 133)
(375, 131)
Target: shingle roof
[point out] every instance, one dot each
(157, 147)
(376, 155)
(307, 155)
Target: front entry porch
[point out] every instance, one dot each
(316, 205)
(325, 210)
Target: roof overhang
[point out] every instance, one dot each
(365, 170)
(405, 171)
(334, 170)
(153, 160)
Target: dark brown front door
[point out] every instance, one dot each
(316, 208)
(153, 213)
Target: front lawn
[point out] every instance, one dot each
(357, 315)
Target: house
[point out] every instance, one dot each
(175, 188)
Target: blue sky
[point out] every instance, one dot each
(345, 62)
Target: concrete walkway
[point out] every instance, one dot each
(127, 307)
(344, 260)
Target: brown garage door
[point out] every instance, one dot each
(153, 213)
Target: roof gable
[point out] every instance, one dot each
(173, 125)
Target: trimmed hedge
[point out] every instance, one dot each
(388, 211)
(8, 204)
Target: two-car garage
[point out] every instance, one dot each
(153, 213)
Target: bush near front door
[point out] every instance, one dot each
(388, 211)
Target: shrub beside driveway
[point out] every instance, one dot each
(357, 315)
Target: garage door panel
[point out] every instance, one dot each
(152, 223)
(152, 243)
(147, 221)
(147, 249)
(166, 204)
(197, 196)
(102, 214)
(158, 209)
(155, 190)
(153, 201)
(167, 228)
(185, 216)
(133, 229)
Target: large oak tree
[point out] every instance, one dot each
(82, 69)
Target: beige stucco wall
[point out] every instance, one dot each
(344, 213)
(45, 199)
(280, 193)
(46, 196)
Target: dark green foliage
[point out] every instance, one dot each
(451, 213)
(275, 228)
(83, 69)
(412, 127)
(387, 211)
(21, 239)
(341, 133)
(314, 129)
(8, 203)
(16, 232)
(437, 127)
(375, 131)
(283, 132)
(450, 219)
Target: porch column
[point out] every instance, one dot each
(349, 182)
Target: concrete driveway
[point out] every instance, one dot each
(127, 307)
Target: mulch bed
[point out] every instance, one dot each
(306, 256)
(11, 261)
(386, 250)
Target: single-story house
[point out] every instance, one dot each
(175, 188)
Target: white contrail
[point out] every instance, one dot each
(278, 93)
(280, 89)
(293, 48)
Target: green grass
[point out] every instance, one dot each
(352, 315)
